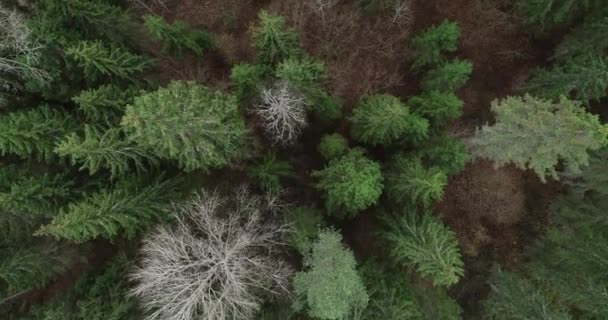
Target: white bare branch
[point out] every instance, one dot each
(282, 113)
(220, 261)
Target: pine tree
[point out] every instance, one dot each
(98, 60)
(124, 209)
(584, 78)
(407, 179)
(449, 76)
(537, 134)
(423, 242)
(439, 107)
(105, 150)
(273, 41)
(448, 154)
(350, 183)
(430, 46)
(177, 37)
(186, 122)
(331, 288)
(383, 119)
(333, 146)
(269, 171)
(33, 133)
(248, 79)
(105, 103)
(513, 298)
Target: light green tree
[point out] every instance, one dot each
(537, 134)
(408, 181)
(449, 76)
(333, 146)
(273, 41)
(430, 46)
(439, 107)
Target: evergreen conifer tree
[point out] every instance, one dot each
(331, 288)
(273, 41)
(423, 242)
(407, 179)
(383, 119)
(268, 172)
(186, 122)
(449, 76)
(105, 103)
(333, 146)
(247, 79)
(537, 134)
(350, 183)
(448, 154)
(439, 107)
(177, 37)
(430, 46)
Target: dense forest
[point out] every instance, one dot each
(303, 159)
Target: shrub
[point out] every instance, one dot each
(407, 179)
(350, 184)
(383, 119)
(449, 76)
(268, 172)
(333, 146)
(423, 242)
(231, 265)
(439, 107)
(282, 113)
(177, 37)
(537, 134)
(430, 46)
(331, 288)
(186, 122)
(273, 41)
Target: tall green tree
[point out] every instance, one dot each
(384, 119)
(539, 134)
(421, 241)
(439, 107)
(331, 287)
(446, 153)
(408, 181)
(430, 46)
(186, 122)
(274, 41)
(105, 103)
(176, 37)
(350, 183)
(449, 76)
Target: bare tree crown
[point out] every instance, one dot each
(282, 113)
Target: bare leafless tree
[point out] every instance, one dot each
(282, 112)
(320, 6)
(19, 52)
(220, 261)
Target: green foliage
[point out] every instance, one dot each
(268, 172)
(17, 228)
(430, 46)
(301, 73)
(124, 209)
(273, 41)
(247, 79)
(37, 193)
(383, 119)
(326, 108)
(593, 179)
(333, 146)
(104, 150)
(331, 288)
(586, 38)
(449, 76)
(30, 267)
(186, 122)
(584, 78)
(513, 298)
(448, 154)
(98, 60)
(350, 184)
(34, 132)
(390, 295)
(551, 13)
(177, 37)
(537, 134)
(439, 107)
(435, 303)
(105, 103)
(423, 242)
(408, 180)
(306, 223)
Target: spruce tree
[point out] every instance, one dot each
(449, 76)
(186, 122)
(247, 79)
(333, 146)
(273, 41)
(105, 150)
(383, 119)
(331, 288)
(105, 103)
(350, 183)
(122, 210)
(448, 154)
(539, 134)
(423, 242)
(439, 107)
(551, 13)
(98, 60)
(177, 37)
(408, 181)
(33, 133)
(302, 74)
(306, 222)
(586, 38)
(430, 46)
(268, 172)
